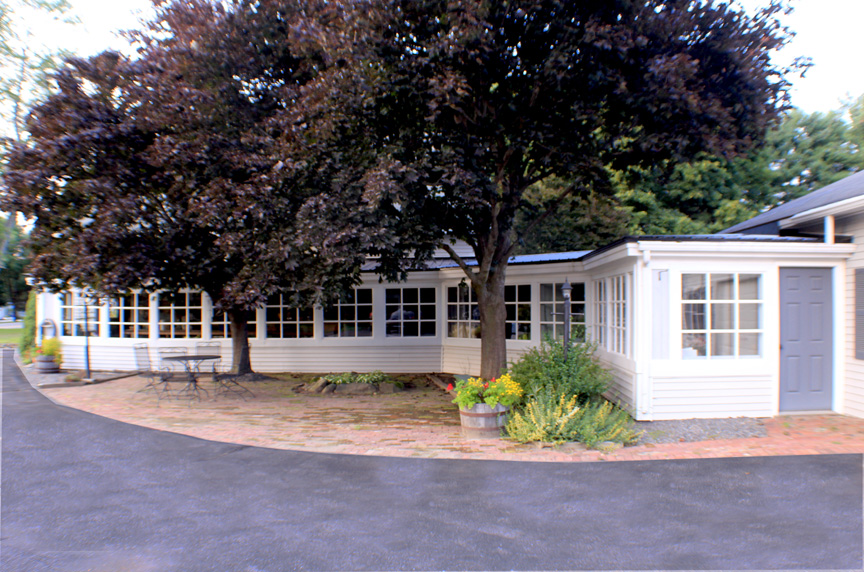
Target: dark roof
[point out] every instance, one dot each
(847, 188)
(439, 263)
(701, 238)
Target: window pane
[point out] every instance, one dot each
(410, 296)
(524, 331)
(307, 314)
(524, 312)
(578, 291)
(511, 312)
(289, 331)
(693, 345)
(331, 313)
(525, 293)
(509, 293)
(692, 287)
(307, 330)
(722, 344)
(452, 295)
(411, 329)
(721, 287)
(364, 329)
(410, 312)
(427, 312)
(391, 296)
(347, 313)
(693, 317)
(748, 344)
(546, 331)
(364, 296)
(427, 328)
(546, 313)
(547, 292)
(364, 312)
(722, 316)
(330, 329)
(748, 316)
(273, 331)
(347, 330)
(427, 295)
(748, 287)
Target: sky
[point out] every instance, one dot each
(828, 31)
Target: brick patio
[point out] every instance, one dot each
(416, 423)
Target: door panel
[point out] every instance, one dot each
(806, 339)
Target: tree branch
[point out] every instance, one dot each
(461, 262)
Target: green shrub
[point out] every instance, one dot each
(52, 347)
(548, 417)
(546, 368)
(340, 378)
(601, 421)
(351, 377)
(371, 377)
(28, 336)
(556, 418)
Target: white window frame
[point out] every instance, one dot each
(399, 320)
(735, 302)
(140, 328)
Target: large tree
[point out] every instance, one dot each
(179, 169)
(480, 100)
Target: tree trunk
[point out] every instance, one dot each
(240, 363)
(493, 319)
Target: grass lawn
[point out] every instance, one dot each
(10, 335)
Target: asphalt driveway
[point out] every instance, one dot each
(81, 492)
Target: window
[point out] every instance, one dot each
(859, 313)
(129, 316)
(721, 315)
(180, 315)
(351, 317)
(552, 311)
(410, 312)
(517, 300)
(220, 326)
(610, 313)
(284, 321)
(617, 341)
(72, 315)
(600, 312)
(463, 314)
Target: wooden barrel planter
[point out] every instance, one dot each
(46, 364)
(483, 422)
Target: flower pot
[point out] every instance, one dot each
(46, 364)
(482, 421)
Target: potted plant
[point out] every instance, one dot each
(483, 405)
(49, 356)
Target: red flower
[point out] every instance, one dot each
(450, 387)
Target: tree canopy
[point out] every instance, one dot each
(261, 146)
(182, 169)
(482, 100)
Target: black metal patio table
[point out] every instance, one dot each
(192, 364)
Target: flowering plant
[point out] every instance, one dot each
(475, 390)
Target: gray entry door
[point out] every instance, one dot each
(806, 339)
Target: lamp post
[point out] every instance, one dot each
(566, 292)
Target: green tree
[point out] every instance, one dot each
(577, 223)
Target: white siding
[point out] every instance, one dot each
(853, 392)
(623, 389)
(707, 397)
(314, 357)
